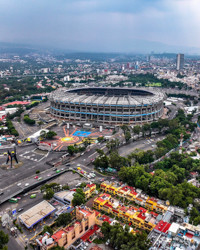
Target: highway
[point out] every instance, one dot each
(28, 168)
(24, 185)
(19, 180)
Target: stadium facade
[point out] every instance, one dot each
(114, 106)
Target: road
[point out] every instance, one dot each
(30, 165)
(17, 180)
(13, 243)
(24, 129)
(143, 144)
(32, 181)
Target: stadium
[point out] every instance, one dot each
(101, 106)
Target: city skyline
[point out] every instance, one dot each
(103, 26)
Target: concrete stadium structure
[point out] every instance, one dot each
(114, 106)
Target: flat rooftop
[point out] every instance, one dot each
(35, 214)
(67, 195)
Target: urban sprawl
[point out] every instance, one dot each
(99, 151)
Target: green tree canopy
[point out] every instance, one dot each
(4, 238)
(48, 229)
(121, 238)
(79, 197)
(63, 219)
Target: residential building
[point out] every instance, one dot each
(89, 190)
(135, 195)
(65, 237)
(139, 217)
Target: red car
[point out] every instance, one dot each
(36, 177)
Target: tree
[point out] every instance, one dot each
(154, 125)
(87, 141)
(113, 144)
(66, 187)
(71, 149)
(127, 136)
(11, 128)
(28, 120)
(50, 134)
(43, 134)
(125, 128)
(79, 197)
(102, 161)
(3, 240)
(48, 229)
(83, 184)
(49, 194)
(116, 161)
(100, 139)
(121, 238)
(142, 157)
(63, 219)
(57, 248)
(40, 123)
(145, 128)
(137, 130)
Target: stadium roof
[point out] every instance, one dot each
(116, 97)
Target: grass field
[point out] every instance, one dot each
(154, 84)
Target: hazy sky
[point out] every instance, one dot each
(102, 25)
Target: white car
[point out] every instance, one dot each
(27, 184)
(19, 184)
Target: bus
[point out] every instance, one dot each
(13, 200)
(33, 196)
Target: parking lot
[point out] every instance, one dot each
(34, 155)
(68, 178)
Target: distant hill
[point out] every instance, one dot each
(18, 49)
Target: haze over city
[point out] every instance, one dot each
(102, 25)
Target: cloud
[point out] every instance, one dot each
(104, 25)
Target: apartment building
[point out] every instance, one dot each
(65, 237)
(139, 217)
(135, 195)
(89, 190)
